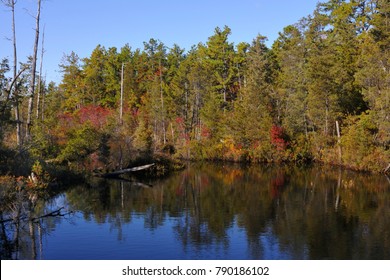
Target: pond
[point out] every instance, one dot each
(209, 211)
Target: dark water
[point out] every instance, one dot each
(211, 212)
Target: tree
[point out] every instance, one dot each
(219, 58)
(72, 86)
(4, 94)
(41, 86)
(290, 51)
(218, 61)
(11, 5)
(374, 72)
(157, 64)
(252, 119)
(189, 88)
(95, 80)
(31, 90)
(322, 98)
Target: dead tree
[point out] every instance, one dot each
(11, 5)
(31, 88)
(40, 90)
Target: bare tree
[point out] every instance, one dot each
(11, 5)
(39, 91)
(31, 88)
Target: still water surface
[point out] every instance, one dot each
(214, 212)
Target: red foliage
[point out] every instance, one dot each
(180, 120)
(206, 132)
(182, 130)
(96, 115)
(135, 113)
(279, 137)
(66, 120)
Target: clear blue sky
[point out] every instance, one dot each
(80, 25)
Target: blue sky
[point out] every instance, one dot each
(80, 25)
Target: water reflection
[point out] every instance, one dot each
(219, 212)
(27, 214)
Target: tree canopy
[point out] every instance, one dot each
(220, 100)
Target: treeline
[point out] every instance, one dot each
(320, 93)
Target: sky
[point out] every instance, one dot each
(80, 25)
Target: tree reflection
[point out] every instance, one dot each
(281, 212)
(26, 216)
(309, 213)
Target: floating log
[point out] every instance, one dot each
(123, 171)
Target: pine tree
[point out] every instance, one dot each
(252, 119)
(290, 51)
(374, 73)
(72, 86)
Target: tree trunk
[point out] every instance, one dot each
(326, 115)
(18, 124)
(39, 91)
(339, 142)
(162, 106)
(31, 89)
(121, 101)
(43, 104)
(15, 68)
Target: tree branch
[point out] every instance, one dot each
(55, 213)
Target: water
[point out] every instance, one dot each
(213, 212)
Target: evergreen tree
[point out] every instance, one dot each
(290, 51)
(95, 82)
(322, 89)
(374, 73)
(72, 86)
(253, 121)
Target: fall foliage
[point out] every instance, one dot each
(221, 101)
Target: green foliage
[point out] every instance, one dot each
(82, 141)
(143, 137)
(221, 101)
(360, 150)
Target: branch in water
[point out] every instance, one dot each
(55, 213)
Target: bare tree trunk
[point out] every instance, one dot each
(16, 94)
(121, 101)
(305, 123)
(162, 106)
(339, 141)
(33, 70)
(326, 115)
(18, 125)
(11, 4)
(39, 91)
(43, 104)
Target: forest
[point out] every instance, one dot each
(320, 93)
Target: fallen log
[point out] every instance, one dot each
(123, 171)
